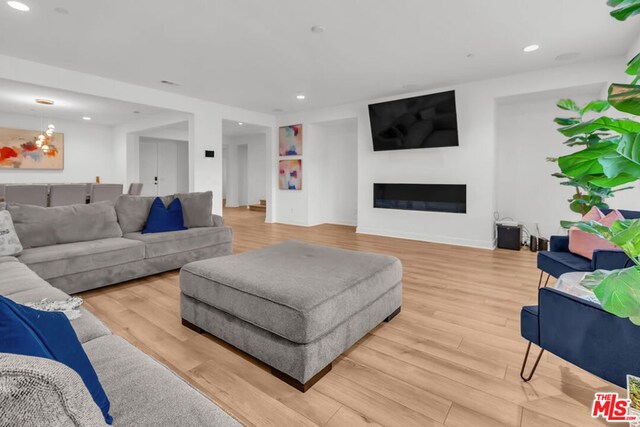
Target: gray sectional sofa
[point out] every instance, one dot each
(81, 247)
(142, 392)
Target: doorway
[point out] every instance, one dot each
(244, 165)
(163, 166)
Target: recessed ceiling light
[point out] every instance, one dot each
(531, 48)
(470, 55)
(240, 123)
(136, 112)
(43, 101)
(87, 118)
(300, 96)
(18, 6)
(318, 29)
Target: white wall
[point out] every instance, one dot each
(246, 178)
(331, 153)
(526, 136)
(88, 152)
(472, 163)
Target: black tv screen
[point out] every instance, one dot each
(421, 122)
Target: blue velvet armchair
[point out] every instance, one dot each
(558, 260)
(581, 333)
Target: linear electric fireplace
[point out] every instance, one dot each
(421, 197)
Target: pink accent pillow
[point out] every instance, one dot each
(583, 244)
(593, 215)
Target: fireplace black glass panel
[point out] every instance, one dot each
(421, 197)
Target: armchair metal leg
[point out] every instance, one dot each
(535, 365)
(540, 279)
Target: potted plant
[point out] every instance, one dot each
(611, 158)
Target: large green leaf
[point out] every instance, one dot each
(593, 280)
(619, 292)
(625, 8)
(567, 121)
(595, 228)
(585, 162)
(633, 66)
(629, 146)
(621, 126)
(568, 104)
(595, 107)
(625, 98)
(615, 164)
(604, 181)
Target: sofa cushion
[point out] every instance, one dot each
(17, 277)
(145, 393)
(9, 241)
(62, 260)
(558, 263)
(161, 244)
(133, 211)
(37, 226)
(197, 208)
(295, 290)
(40, 392)
(49, 335)
(164, 218)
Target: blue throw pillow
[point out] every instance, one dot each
(163, 219)
(30, 332)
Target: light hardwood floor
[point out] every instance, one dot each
(452, 357)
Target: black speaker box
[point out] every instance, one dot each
(510, 237)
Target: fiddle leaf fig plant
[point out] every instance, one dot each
(609, 158)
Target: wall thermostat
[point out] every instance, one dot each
(209, 153)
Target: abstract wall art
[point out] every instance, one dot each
(290, 139)
(19, 150)
(291, 174)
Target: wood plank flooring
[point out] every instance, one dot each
(452, 357)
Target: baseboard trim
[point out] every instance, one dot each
(479, 244)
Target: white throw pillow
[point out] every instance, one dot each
(9, 241)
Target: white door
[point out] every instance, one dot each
(164, 167)
(167, 168)
(149, 168)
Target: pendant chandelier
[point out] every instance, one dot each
(46, 136)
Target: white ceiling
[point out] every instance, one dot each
(259, 54)
(233, 129)
(19, 98)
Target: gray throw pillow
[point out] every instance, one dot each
(196, 209)
(9, 242)
(37, 226)
(42, 392)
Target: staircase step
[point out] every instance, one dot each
(258, 208)
(263, 202)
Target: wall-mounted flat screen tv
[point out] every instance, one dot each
(421, 122)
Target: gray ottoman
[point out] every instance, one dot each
(294, 306)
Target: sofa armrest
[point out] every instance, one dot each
(218, 221)
(582, 333)
(610, 260)
(559, 244)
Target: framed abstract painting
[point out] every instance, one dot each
(290, 174)
(19, 149)
(290, 140)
